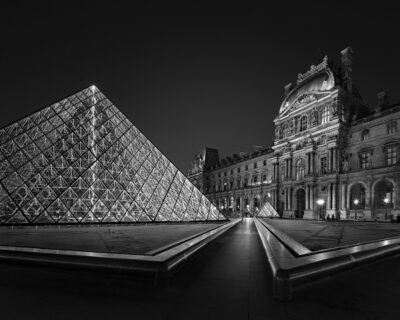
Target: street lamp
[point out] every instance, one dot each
(386, 201)
(356, 202)
(320, 202)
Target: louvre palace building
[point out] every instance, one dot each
(333, 156)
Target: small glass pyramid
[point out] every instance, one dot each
(81, 160)
(267, 211)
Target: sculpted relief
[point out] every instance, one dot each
(197, 164)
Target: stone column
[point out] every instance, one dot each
(312, 162)
(307, 197)
(334, 196)
(396, 196)
(284, 199)
(328, 201)
(312, 197)
(343, 200)
(334, 150)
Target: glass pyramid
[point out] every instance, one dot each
(81, 160)
(268, 211)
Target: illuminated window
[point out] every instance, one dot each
(391, 155)
(325, 115)
(303, 123)
(365, 160)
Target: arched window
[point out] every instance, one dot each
(285, 130)
(392, 127)
(303, 123)
(300, 169)
(325, 115)
(364, 135)
(278, 133)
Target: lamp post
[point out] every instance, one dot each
(320, 203)
(356, 202)
(386, 201)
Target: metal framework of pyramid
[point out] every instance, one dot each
(81, 160)
(267, 211)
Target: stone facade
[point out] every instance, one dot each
(333, 156)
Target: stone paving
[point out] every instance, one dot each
(318, 235)
(135, 239)
(230, 279)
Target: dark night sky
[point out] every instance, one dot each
(190, 77)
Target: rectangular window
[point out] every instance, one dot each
(225, 174)
(323, 165)
(232, 171)
(255, 179)
(283, 172)
(238, 170)
(246, 167)
(264, 178)
(231, 185)
(255, 165)
(264, 163)
(365, 160)
(391, 155)
(238, 183)
(325, 115)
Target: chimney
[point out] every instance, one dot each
(346, 59)
(288, 88)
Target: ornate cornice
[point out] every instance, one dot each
(313, 70)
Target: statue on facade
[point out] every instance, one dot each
(345, 162)
(197, 164)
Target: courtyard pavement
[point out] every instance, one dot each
(230, 279)
(319, 235)
(134, 239)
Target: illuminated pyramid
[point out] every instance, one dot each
(267, 211)
(81, 160)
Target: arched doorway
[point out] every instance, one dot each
(238, 204)
(383, 199)
(300, 203)
(256, 205)
(357, 196)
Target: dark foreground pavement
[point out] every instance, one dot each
(229, 279)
